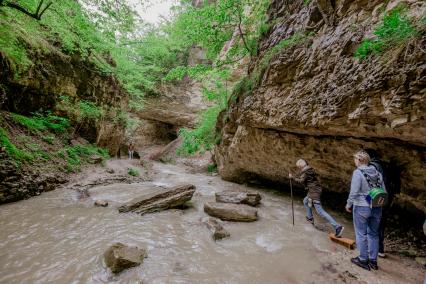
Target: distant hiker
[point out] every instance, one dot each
(392, 181)
(308, 177)
(131, 150)
(366, 217)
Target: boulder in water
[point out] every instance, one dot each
(216, 228)
(159, 199)
(238, 197)
(231, 212)
(119, 257)
(101, 203)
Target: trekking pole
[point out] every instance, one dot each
(291, 194)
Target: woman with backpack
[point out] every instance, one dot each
(365, 201)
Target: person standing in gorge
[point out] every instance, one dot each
(366, 218)
(392, 181)
(308, 177)
(131, 150)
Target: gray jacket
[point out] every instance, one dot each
(360, 186)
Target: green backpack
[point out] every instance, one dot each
(377, 196)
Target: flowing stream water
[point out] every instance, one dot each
(56, 238)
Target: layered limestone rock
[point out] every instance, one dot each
(238, 197)
(56, 75)
(317, 101)
(231, 212)
(159, 199)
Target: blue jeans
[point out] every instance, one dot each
(320, 211)
(367, 224)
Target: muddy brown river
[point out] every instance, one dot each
(56, 238)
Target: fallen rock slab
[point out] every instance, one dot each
(216, 228)
(101, 203)
(238, 197)
(231, 212)
(159, 199)
(119, 257)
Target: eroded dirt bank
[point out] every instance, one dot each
(58, 237)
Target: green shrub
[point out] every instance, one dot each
(37, 151)
(211, 168)
(395, 28)
(90, 110)
(80, 111)
(48, 139)
(12, 150)
(40, 123)
(203, 137)
(133, 172)
(76, 155)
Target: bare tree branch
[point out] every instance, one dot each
(44, 10)
(39, 6)
(38, 13)
(242, 35)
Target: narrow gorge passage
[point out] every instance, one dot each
(58, 238)
(146, 141)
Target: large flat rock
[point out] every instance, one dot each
(119, 257)
(159, 199)
(231, 212)
(238, 197)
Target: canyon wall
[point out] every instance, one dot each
(54, 75)
(316, 101)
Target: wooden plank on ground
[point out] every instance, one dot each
(349, 243)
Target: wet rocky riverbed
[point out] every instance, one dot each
(59, 238)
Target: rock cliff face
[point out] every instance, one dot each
(56, 75)
(316, 101)
(178, 106)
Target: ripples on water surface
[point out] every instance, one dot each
(54, 238)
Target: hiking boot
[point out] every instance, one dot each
(339, 231)
(310, 220)
(382, 254)
(360, 263)
(373, 265)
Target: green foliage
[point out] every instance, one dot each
(15, 153)
(80, 111)
(89, 110)
(133, 172)
(211, 168)
(48, 139)
(213, 24)
(107, 33)
(202, 138)
(179, 72)
(395, 28)
(245, 85)
(76, 155)
(37, 151)
(40, 122)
